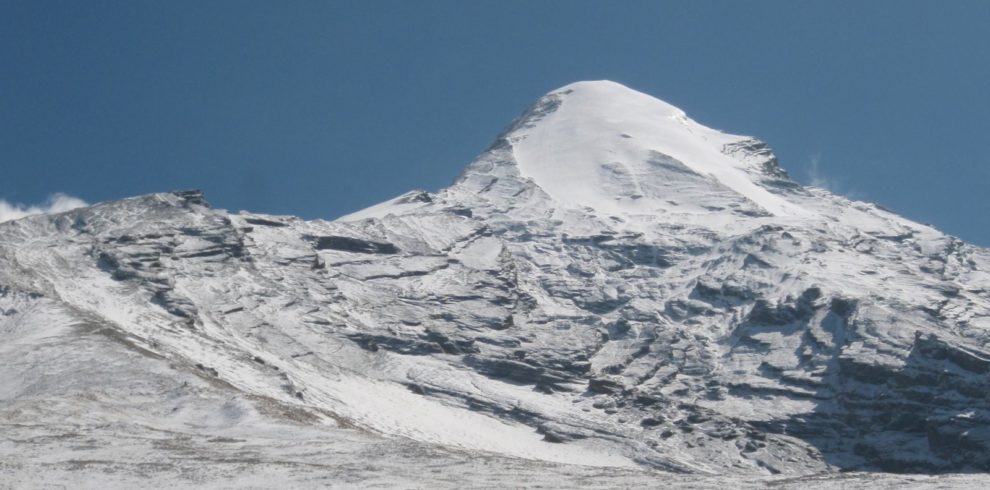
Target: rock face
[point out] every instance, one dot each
(610, 283)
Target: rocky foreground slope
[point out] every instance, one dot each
(610, 284)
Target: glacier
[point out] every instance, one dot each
(611, 294)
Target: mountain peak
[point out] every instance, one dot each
(610, 284)
(606, 95)
(602, 145)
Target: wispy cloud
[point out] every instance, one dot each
(56, 203)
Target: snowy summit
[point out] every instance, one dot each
(603, 145)
(610, 284)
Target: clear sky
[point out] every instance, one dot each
(322, 108)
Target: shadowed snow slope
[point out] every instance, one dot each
(609, 284)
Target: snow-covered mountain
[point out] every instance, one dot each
(610, 284)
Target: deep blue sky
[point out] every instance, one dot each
(321, 108)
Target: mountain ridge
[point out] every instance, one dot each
(680, 305)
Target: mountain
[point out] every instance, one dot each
(610, 284)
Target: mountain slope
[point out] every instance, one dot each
(609, 284)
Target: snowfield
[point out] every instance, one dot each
(611, 295)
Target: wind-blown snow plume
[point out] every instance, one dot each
(56, 203)
(818, 178)
(815, 177)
